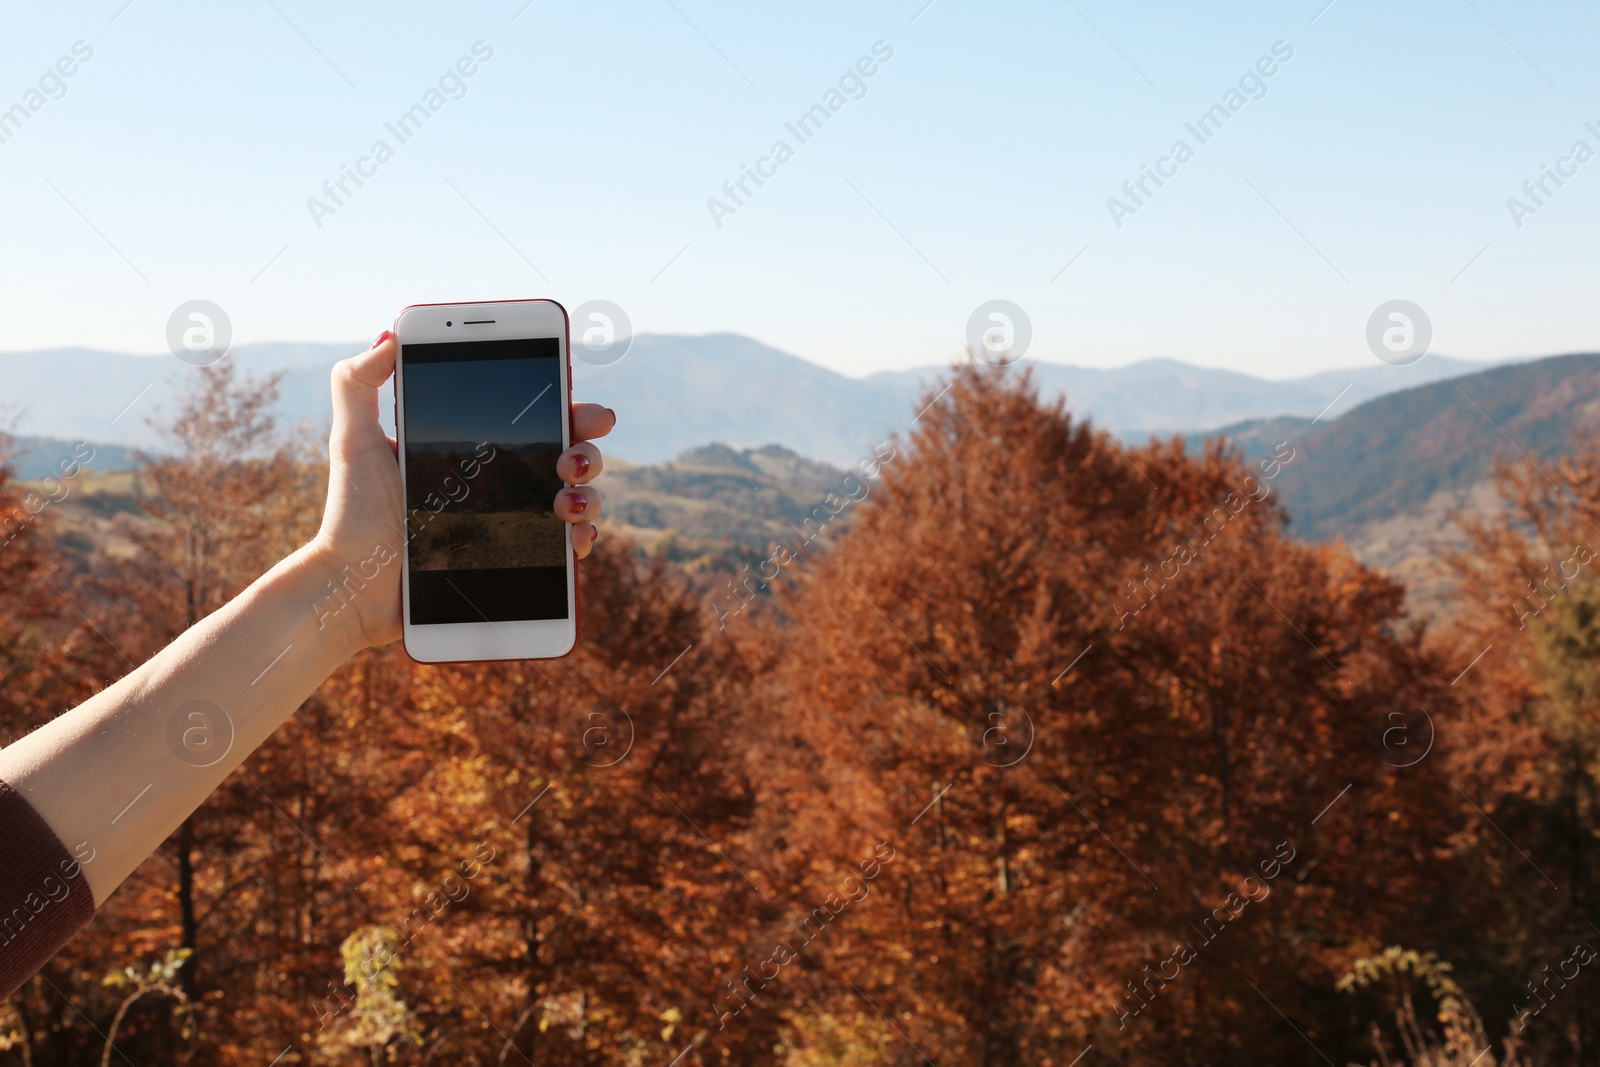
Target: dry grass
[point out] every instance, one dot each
(470, 540)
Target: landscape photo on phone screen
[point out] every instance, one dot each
(483, 424)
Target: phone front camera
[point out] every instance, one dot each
(449, 323)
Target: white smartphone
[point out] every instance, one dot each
(482, 412)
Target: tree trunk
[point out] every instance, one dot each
(530, 935)
(186, 974)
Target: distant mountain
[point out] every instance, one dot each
(1391, 455)
(39, 457)
(682, 391)
(676, 393)
(81, 393)
(1387, 476)
(679, 392)
(1161, 396)
(1256, 438)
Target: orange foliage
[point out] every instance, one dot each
(1064, 744)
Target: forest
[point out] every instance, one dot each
(1051, 750)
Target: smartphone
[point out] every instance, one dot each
(482, 412)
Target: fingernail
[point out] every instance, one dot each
(594, 534)
(382, 337)
(580, 465)
(576, 502)
(613, 414)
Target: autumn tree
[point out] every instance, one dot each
(608, 787)
(1090, 696)
(51, 659)
(45, 652)
(1527, 623)
(958, 784)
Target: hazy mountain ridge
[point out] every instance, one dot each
(1157, 397)
(679, 392)
(1386, 477)
(37, 457)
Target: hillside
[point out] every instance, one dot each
(711, 509)
(99, 513)
(1399, 451)
(1387, 476)
(712, 505)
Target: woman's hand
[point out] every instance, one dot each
(363, 519)
(234, 677)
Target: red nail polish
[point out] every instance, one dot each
(594, 534)
(382, 337)
(580, 465)
(576, 502)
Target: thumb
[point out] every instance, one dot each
(355, 384)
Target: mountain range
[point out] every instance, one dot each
(681, 392)
(1388, 475)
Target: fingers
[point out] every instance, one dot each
(578, 505)
(584, 536)
(355, 386)
(591, 420)
(579, 464)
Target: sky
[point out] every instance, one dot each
(507, 401)
(977, 162)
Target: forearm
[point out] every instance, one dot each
(125, 768)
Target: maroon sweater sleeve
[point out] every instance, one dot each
(44, 898)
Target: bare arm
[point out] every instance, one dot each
(120, 772)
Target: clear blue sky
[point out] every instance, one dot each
(977, 165)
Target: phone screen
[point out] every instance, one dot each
(483, 426)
